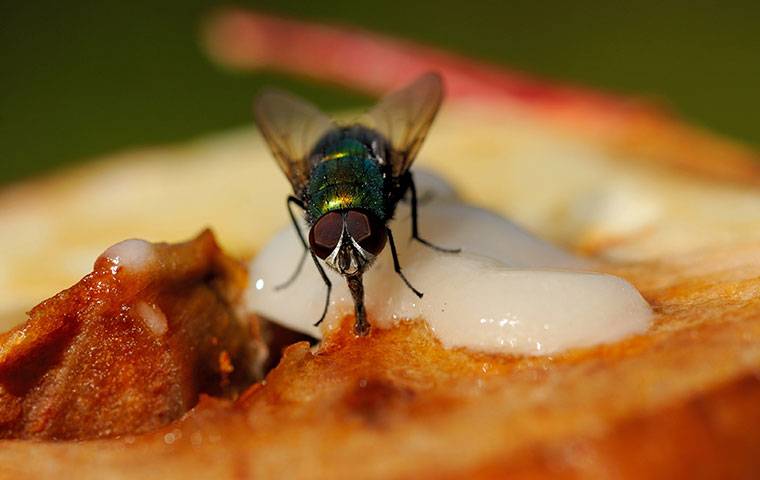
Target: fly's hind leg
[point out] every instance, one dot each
(415, 230)
(397, 265)
(295, 201)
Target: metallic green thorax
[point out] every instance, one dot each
(347, 177)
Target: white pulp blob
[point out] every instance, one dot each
(507, 291)
(133, 254)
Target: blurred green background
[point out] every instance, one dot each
(82, 78)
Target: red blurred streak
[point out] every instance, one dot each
(375, 64)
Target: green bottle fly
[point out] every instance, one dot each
(349, 179)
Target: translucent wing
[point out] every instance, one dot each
(404, 118)
(291, 127)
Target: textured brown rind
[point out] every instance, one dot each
(87, 364)
(681, 400)
(713, 435)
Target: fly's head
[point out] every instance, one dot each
(348, 240)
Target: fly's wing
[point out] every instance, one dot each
(404, 117)
(291, 127)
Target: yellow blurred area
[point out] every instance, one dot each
(555, 183)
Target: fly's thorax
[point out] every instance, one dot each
(346, 182)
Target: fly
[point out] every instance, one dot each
(348, 179)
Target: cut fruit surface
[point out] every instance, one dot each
(672, 209)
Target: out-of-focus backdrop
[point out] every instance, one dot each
(82, 78)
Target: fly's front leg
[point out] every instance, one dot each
(329, 287)
(415, 230)
(295, 201)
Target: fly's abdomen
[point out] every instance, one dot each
(344, 183)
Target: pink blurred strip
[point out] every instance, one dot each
(375, 64)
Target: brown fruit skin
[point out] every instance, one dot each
(86, 364)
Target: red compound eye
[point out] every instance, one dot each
(367, 230)
(325, 234)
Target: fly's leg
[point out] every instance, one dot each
(415, 231)
(397, 266)
(329, 287)
(355, 285)
(295, 201)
